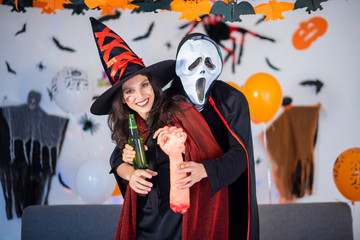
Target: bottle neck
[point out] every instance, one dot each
(133, 129)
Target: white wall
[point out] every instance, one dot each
(333, 59)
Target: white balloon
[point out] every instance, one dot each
(72, 90)
(93, 182)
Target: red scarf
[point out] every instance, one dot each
(207, 218)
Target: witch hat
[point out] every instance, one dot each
(121, 64)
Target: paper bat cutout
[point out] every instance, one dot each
(311, 5)
(62, 182)
(41, 66)
(22, 30)
(61, 47)
(77, 7)
(273, 9)
(232, 10)
(110, 17)
(191, 9)
(317, 83)
(9, 69)
(270, 65)
(146, 35)
(151, 6)
(260, 20)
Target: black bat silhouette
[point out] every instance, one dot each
(41, 66)
(22, 30)
(311, 5)
(317, 83)
(146, 35)
(61, 47)
(10, 70)
(270, 65)
(232, 10)
(110, 17)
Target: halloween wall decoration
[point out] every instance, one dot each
(219, 31)
(346, 173)
(9, 69)
(146, 35)
(115, 16)
(60, 46)
(309, 32)
(317, 83)
(30, 146)
(40, 66)
(230, 10)
(273, 10)
(23, 29)
(190, 9)
(270, 65)
(88, 124)
(150, 5)
(72, 90)
(310, 5)
(293, 164)
(264, 95)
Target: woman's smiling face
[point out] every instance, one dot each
(139, 95)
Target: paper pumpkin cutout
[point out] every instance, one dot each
(346, 173)
(311, 5)
(308, 32)
(273, 9)
(232, 10)
(151, 6)
(191, 9)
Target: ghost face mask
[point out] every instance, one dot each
(198, 64)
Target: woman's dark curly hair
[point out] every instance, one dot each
(160, 114)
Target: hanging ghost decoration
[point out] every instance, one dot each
(30, 142)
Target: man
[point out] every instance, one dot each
(225, 109)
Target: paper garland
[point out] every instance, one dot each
(190, 9)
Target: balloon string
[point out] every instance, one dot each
(269, 167)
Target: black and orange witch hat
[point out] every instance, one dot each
(121, 64)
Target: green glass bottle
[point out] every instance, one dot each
(136, 141)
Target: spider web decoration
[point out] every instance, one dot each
(88, 124)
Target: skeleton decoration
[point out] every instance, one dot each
(198, 64)
(30, 142)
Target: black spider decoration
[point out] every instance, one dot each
(219, 31)
(88, 124)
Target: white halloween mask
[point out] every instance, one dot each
(198, 64)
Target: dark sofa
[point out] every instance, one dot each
(298, 221)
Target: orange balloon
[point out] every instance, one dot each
(234, 85)
(264, 95)
(116, 191)
(346, 173)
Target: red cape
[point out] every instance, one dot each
(207, 218)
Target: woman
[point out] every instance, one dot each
(146, 213)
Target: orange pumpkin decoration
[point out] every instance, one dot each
(308, 32)
(346, 173)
